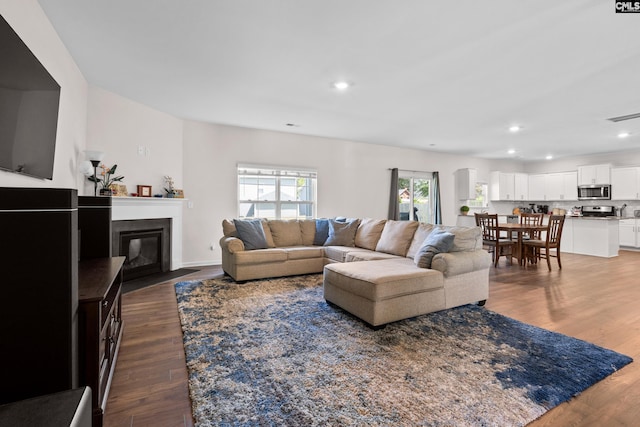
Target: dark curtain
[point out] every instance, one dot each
(437, 206)
(394, 206)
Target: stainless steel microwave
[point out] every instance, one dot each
(594, 192)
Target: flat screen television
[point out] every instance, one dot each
(29, 102)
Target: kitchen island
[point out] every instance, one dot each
(596, 236)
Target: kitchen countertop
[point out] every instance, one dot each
(599, 218)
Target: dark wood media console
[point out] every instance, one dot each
(61, 321)
(100, 326)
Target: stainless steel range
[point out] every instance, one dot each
(598, 211)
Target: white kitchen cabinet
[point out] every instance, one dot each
(537, 184)
(566, 241)
(594, 174)
(625, 183)
(570, 184)
(629, 233)
(521, 186)
(553, 186)
(466, 184)
(502, 186)
(561, 186)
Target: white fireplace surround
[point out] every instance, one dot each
(125, 208)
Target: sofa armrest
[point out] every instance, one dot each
(231, 244)
(454, 263)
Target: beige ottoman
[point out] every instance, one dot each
(383, 291)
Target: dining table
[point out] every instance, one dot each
(520, 230)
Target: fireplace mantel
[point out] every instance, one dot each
(125, 208)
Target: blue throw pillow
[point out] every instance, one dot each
(438, 241)
(251, 232)
(322, 231)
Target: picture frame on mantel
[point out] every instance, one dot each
(144, 191)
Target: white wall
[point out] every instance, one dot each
(29, 21)
(118, 126)
(353, 177)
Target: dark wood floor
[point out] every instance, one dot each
(594, 299)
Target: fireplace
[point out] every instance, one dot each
(146, 244)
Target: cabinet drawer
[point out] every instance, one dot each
(107, 303)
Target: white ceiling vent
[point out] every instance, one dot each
(623, 118)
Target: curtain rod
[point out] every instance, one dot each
(407, 170)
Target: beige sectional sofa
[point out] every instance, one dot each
(372, 273)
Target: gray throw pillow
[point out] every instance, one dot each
(438, 241)
(251, 232)
(342, 233)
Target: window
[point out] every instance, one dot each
(276, 192)
(482, 199)
(415, 199)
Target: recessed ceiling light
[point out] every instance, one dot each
(623, 134)
(512, 151)
(515, 128)
(341, 85)
(549, 157)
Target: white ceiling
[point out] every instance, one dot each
(435, 75)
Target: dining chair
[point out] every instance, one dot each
(541, 248)
(531, 219)
(488, 223)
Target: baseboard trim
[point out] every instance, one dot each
(202, 263)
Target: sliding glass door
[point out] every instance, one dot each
(415, 198)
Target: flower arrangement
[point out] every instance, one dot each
(106, 176)
(171, 191)
(464, 209)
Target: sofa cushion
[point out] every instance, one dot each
(308, 231)
(304, 252)
(261, 256)
(251, 232)
(285, 232)
(322, 231)
(267, 234)
(342, 233)
(466, 238)
(439, 241)
(367, 255)
(419, 237)
(339, 253)
(228, 228)
(396, 237)
(382, 279)
(369, 233)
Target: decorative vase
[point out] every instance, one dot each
(464, 212)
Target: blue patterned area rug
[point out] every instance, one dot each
(273, 353)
